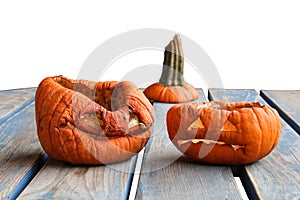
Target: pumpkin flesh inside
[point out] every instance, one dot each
(91, 122)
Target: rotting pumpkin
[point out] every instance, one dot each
(231, 133)
(85, 122)
(171, 87)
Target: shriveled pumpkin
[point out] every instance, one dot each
(85, 122)
(230, 133)
(171, 87)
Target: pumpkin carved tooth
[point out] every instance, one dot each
(205, 141)
(209, 142)
(236, 147)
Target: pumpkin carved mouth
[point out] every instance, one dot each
(80, 121)
(224, 132)
(209, 142)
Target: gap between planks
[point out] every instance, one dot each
(136, 175)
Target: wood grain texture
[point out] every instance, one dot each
(59, 180)
(167, 174)
(19, 151)
(12, 101)
(287, 103)
(276, 176)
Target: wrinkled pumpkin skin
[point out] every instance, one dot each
(85, 122)
(224, 132)
(158, 92)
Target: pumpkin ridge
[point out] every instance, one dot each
(39, 92)
(261, 149)
(51, 114)
(51, 124)
(41, 104)
(275, 116)
(263, 123)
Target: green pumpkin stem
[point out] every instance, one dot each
(172, 73)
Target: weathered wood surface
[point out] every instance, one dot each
(59, 180)
(276, 176)
(287, 102)
(20, 152)
(167, 174)
(12, 101)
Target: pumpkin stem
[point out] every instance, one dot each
(172, 73)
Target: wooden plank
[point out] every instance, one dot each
(20, 153)
(167, 174)
(60, 180)
(287, 103)
(276, 176)
(12, 101)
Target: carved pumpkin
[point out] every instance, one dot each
(171, 87)
(224, 132)
(84, 122)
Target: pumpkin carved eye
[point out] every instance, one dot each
(79, 121)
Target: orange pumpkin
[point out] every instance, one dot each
(171, 87)
(85, 122)
(224, 132)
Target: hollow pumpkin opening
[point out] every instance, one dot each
(112, 98)
(102, 97)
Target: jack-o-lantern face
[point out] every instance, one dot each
(224, 132)
(85, 122)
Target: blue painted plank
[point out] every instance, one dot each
(287, 103)
(13, 101)
(21, 155)
(167, 174)
(276, 176)
(60, 180)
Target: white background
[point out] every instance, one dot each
(253, 44)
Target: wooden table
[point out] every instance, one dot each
(159, 171)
